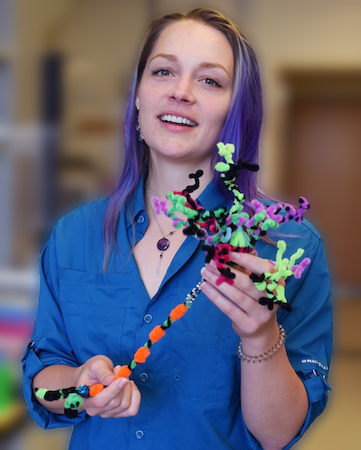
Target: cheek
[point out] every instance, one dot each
(218, 122)
(143, 96)
(220, 113)
(148, 103)
(145, 113)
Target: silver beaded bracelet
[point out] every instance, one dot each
(268, 354)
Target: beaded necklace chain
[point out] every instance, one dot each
(163, 243)
(222, 231)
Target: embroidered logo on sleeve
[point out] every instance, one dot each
(314, 361)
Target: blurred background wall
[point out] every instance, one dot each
(65, 70)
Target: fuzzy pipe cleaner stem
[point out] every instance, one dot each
(74, 395)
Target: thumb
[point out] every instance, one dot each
(103, 372)
(108, 378)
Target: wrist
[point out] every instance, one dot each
(258, 350)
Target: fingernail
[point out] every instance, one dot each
(123, 382)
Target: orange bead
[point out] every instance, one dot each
(156, 334)
(141, 354)
(124, 372)
(95, 389)
(178, 312)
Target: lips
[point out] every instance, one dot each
(178, 120)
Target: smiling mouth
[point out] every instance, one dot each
(178, 120)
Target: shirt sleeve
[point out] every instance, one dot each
(309, 329)
(49, 344)
(309, 332)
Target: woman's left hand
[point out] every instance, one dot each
(273, 398)
(253, 322)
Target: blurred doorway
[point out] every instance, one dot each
(322, 161)
(322, 157)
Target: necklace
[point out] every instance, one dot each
(163, 243)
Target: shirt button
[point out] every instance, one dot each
(139, 434)
(89, 277)
(148, 318)
(140, 219)
(143, 377)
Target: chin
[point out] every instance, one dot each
(182, 155)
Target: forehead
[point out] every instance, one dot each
(194, 41)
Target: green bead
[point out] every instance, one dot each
(73, 401)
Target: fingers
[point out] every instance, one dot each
(124, 405)
(238, 305)
(120, 399)
(243, 292)
(102, 399)
(104, 374)
(98, 369)
(236, 312)
(240, 300)
(130, 405)
(116, 401)
(252, 263)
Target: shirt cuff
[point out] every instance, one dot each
(31, 365)
(317, 391)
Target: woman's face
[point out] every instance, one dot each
(185, 92)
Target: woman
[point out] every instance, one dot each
(197, 83)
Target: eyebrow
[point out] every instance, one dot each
(204, 65)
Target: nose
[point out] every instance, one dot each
(182, 91)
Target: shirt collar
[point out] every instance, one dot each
(137, 203)
(210, 199)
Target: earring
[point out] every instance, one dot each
(140, 135)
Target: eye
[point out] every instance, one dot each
(161, 72)
(212, 82)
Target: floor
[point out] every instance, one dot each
(338, 428)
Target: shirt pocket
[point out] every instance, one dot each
(93, 308)
(205, 367)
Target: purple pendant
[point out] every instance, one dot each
(162, 244)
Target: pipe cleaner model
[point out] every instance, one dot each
(222, 231)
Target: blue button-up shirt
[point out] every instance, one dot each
(190, 384)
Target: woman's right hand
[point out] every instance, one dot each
(120, 398)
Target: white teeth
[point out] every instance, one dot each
(177, 119)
